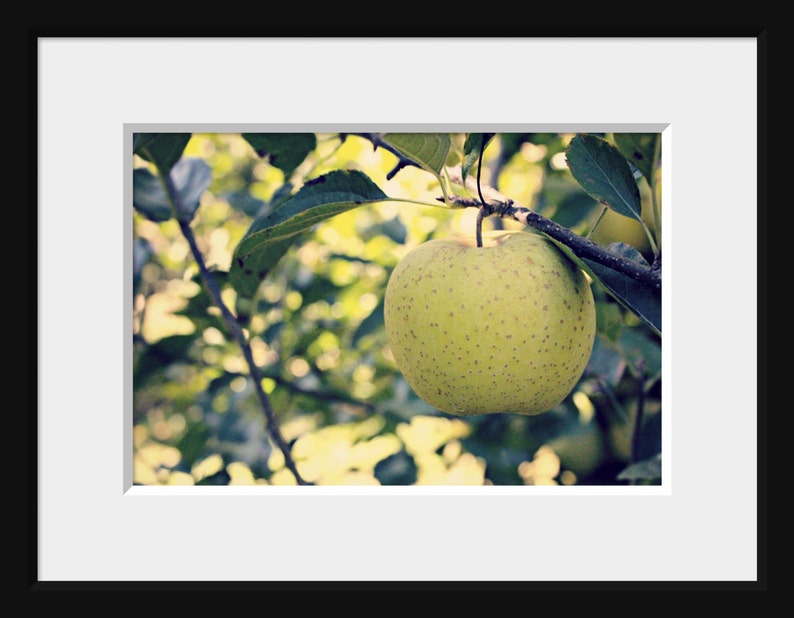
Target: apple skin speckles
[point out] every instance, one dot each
(507, 327)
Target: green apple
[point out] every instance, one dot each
(506, 327)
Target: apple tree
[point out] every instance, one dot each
(260, 268)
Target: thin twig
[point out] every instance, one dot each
(236, 331)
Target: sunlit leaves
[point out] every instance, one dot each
(429, 150)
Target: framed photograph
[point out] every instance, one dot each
(395, 338)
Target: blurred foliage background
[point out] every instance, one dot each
(316, 331)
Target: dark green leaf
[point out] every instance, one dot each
(246, 275)
(149, 197)
(644, 301)
(472, 149)
(318, 200)
(285, 151)
(162, 149)
(140, 141)
(640, 149)
(397, 469)
(429, 150)
(604, 174)
(271, 235)
(158, 356)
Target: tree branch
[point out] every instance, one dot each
(582, 247)
(236, 331)
(504, 207)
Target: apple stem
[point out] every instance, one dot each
(478, 228)
(481, 213)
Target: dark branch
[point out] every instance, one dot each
(581, 247)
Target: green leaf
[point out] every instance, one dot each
(319, 199)
(644, 301)
(604, 174)
(640, 149)
(162, 149)
(285, 151)
(148, 196)
(475, 144)
(157, 357)
(271, 235)
(246, 275)
(429, 150)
